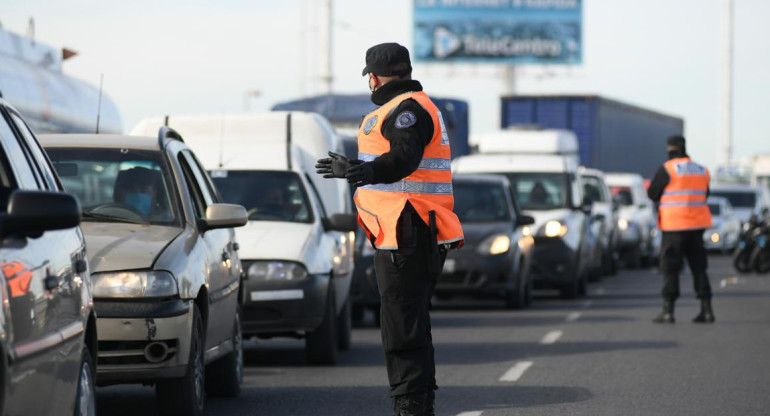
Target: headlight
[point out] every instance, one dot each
(526, 231)
(276, 270)
(496, 244)
(554, 228)
(623, 224)
(715, 237)
(152, 284)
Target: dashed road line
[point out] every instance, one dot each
(551, 337)
(474, 413)
(515, 373)
(601, 291)
(572, 317)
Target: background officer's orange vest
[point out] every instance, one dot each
(683, 203)
(429, 188)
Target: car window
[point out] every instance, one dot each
(592, 188)
(715, 209)
(6, 183)
(207, 190)
(199, 201)
(37, 153)
(117, 184)
(266, 195)
(738, 199)
(539, 190)
(479, 202)
(623, 195)
(19, 160)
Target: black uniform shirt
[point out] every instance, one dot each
(407, 139)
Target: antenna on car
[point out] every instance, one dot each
(99, 109)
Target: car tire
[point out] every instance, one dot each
(345, 326)
(85, 398)
(321, 344)
(377, 316)
(760, 260)
(742, 260)
(517, 298)
(224, 376)
(186, 395)
(571, 289)
(358, 314)
(633, 258)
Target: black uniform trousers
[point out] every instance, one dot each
(406, 280)
(675, 246)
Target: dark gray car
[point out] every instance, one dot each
(47, 325)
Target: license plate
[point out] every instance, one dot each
(449, 266)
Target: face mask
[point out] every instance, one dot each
(140, 202)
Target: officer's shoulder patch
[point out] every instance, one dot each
(369, 124)
(405, 119)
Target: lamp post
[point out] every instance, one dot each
(247, 96)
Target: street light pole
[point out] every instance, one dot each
(726, 90)
(247, 96)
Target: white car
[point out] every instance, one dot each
(297, 248)
(604, 222)
(725, 226)
(637, 220)
(746, 200)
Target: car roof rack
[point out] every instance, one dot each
(166, 132)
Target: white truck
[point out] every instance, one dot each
(542, 166)
(297, 249)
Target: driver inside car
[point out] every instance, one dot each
(138, 188)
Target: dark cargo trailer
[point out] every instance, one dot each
(612, 136)
(347, 111)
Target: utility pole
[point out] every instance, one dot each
(726, 90)
(326, 47)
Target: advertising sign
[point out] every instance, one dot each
(498, 31)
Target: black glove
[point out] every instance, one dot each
(334, 167)
(360, 174)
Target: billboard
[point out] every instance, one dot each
(498, 31)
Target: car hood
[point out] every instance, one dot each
(475, 233)
(273, 240)
(117, 246)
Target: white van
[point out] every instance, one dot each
(639, 234)
(542, 166)
(297, 249)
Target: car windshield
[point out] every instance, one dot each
(539, 190)
(623, 195)
(478, 202)
(266, 195)
(715, 209)
(592, 188)
(738, 199)
(123, 185)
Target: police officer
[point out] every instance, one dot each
(681, 187)
(404, 200)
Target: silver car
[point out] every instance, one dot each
(166, 272)
(47, 322)
(725, 226)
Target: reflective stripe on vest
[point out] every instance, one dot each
(428, 188)
(683, 203)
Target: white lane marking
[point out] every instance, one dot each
(587, 304)
(551, 337)
(474, 413)
(601, 291)
(574, 316)
(263, 295)
(515, 373)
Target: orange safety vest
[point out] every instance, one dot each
(683, 203)
(429, 188)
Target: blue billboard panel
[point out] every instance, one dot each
(498, 31)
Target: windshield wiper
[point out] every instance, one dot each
(113, 218)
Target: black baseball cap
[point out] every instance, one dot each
(387, 59)
(676, 141)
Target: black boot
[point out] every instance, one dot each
(667, 316)
(706, 314)
(414, 404)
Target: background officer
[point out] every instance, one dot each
(404, 200)
(681, 187)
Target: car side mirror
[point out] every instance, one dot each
(523, 220)
(223, 216)
(599, 217)
(34, 212)
(341, 222)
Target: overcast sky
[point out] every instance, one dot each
(183, 56)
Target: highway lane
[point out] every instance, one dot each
(600, 355)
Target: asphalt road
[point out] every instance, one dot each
(600, 355)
